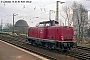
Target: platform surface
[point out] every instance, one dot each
(10, 52)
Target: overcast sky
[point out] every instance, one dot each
(37, 8)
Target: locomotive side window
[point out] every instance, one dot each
(48, 24)
(41, 25)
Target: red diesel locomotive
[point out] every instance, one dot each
(48, 34)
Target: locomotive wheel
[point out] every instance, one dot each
(49, 46)
(46, 45)
(33, 42)
(53, 46)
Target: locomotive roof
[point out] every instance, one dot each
(48, 22)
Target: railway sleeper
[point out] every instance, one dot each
(81, 56)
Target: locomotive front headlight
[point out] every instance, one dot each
(62, 38)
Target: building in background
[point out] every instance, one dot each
(21, 26)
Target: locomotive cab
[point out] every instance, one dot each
(47, 23)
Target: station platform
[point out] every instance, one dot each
(11, 52)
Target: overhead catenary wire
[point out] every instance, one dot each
(43, 9)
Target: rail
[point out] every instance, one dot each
(21, 40)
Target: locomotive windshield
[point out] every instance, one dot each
(48, 23)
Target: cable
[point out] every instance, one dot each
(42, 8)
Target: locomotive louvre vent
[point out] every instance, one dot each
(65, 36)
(70, 36)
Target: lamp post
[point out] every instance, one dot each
(57, 9)
(1, 25)
(13, 20)
(50, 13)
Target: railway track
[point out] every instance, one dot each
(20, 42)
(83, 48)
(80, 54)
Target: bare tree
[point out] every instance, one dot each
(9, 26)
(80, 15)
(68, 15)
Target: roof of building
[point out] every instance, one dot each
(21, 23)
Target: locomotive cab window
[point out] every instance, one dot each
(41, 25)
(49, 23)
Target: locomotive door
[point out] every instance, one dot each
(41, 32)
